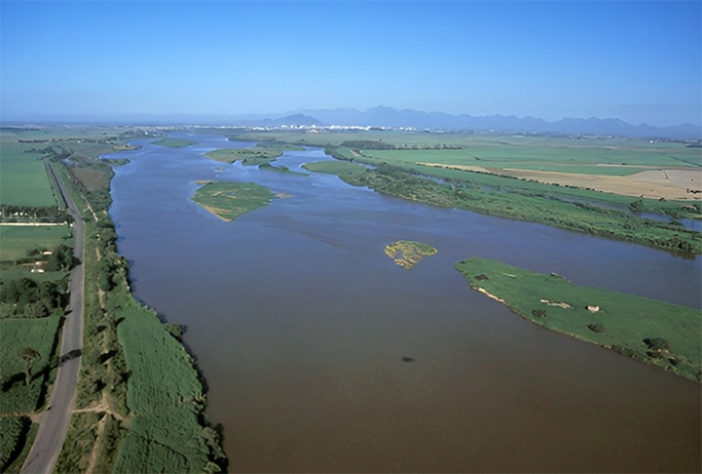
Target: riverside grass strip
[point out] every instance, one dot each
(651, 331)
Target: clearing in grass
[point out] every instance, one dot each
(655, 332)
(229, 200)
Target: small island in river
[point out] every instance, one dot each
(229, 200)
(407, 253)
(651, 331)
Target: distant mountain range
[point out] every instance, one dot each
(390, 117)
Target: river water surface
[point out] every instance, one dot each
(300, 322)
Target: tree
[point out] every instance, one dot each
(28, 355)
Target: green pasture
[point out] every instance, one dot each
(15, 335)
(652, 331)
(229, 200)
(16, 241)
(23, 179)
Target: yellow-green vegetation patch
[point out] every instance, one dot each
(229, 200)
(173, 142)
(333, 167)
(658, 333)
(407, 253)
(26, 348)
(16, 241)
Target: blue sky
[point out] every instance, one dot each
(638, 61)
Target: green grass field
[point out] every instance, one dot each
(23, 179)
(13, 432)
(164, 395)
(16, 334)
(16, 241)
(655, 332)
(173, 143)
(229, 200)
(333, 167)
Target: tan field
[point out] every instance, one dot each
(669, 183)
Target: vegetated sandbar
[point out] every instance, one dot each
(658, 333)
(173, 142)
(229, 200)
(407, 253)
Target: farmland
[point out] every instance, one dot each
(230, 200)
(654, 332)
(23, 179)
(40, 335)
(18, 240)
(494, 175)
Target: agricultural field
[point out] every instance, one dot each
(22, 394)
(229, 200)
(23, 178)
(655, 332)
(16, 241)
(165, 434)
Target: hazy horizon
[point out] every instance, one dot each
(635, 61)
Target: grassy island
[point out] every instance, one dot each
(407, 253)
(173, 142)
(228, 200)
(651, 331)
(334, 167)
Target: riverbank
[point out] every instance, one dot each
(137, 377)
(647, 330)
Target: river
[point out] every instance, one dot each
(299, 322)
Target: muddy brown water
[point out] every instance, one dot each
(300, 324)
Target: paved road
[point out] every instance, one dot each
(54, 424)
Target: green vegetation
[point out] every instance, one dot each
(23, 179)
(407, 253)
(651, 331)
(16, 437)
(279, 169)
(12, 430)
(334, 167)
(27, 348)
(134, 373)
(257, 155)
(173, 143)
(82, 435)
(229, 200)
(18, 241)
(401, 160)
(165, 433)
(517, 204)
